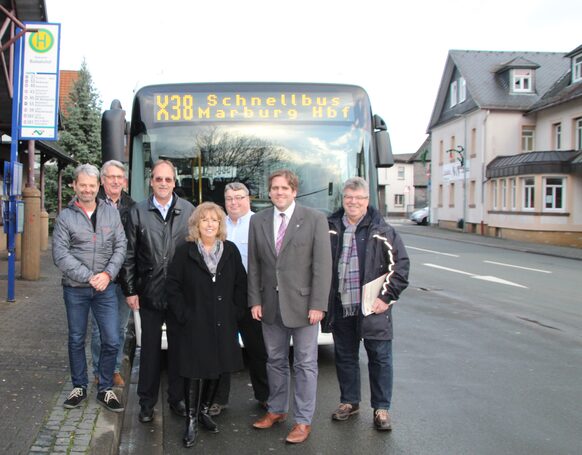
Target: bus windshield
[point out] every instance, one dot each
(217, 134)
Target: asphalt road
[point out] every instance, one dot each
(488, 353)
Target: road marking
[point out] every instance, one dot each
(492, 279)
(408, 247)
(518, 267)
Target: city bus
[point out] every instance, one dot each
(216, 133)
(219, 133)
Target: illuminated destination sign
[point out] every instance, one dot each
(244, 106)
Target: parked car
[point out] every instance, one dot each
(420, 216)
(323, 339)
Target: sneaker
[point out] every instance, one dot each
(75, 398)
(118, 380)
(382, 420)
(109, 401)
(345, 410)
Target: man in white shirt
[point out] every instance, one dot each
(238, 208)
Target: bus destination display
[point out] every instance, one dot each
(244, 106)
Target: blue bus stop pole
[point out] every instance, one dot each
(13, 159)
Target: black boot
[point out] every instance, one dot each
(208, 394)
(192, 398)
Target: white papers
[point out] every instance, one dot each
(370, 292)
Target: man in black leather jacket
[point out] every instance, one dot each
(155, 228)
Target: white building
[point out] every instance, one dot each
(506, 152)
(398, 183)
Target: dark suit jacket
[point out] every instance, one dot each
(301, 272)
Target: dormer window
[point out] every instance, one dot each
(522, 81)
(577, 68)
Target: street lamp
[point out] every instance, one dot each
(461, 156)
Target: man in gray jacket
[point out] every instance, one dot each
(89, 247)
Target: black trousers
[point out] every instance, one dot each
(256, 358)
(150, 365)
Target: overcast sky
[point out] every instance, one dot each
(395, 50)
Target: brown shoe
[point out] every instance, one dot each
(345, 410)
(118, 380)
(299, 433)
(382, 420)
(268, 420)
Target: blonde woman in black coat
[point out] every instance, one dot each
(206, 290)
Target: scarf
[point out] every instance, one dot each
(349, 271)
(212, 257)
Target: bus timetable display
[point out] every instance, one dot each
(244, 106)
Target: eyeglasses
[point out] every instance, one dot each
(163, 179)
(234, 198)
(355, 198)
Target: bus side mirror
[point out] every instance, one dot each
(384, 157)
(113, 130)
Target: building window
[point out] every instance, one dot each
(554, 193)
(528, 193)
(557, 136)
(440, 199)
(462, 90)
(503, 193)
(452, 195)
(441, 153)
(513, 193)
(473, 153)
(522, 81)
(577, 68)
(578, 133)
(494, 194)
(472, 186)
(527, 138)
(399, 200)
(453, 94)
(400, 172)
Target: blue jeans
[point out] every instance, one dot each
(103, 305)
(123, 312)
(346, 340)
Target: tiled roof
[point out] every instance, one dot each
(486, 82)
(66, 82)
(561, 92)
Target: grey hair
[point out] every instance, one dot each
(236, 186)
(114, 163)
(357, 183)
(87, 169)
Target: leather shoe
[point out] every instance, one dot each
(146, 414)
(268, 420)
(299, 433)
(178, 408)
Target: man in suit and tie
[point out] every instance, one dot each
(289, 277)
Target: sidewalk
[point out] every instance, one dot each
(34, 373)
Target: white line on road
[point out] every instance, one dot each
(408, 247)
(517, 267)
(493, 279)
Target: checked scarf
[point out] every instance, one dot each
(349, 271)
